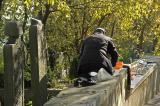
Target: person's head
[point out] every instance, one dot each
(100, 30)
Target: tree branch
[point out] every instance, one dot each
(25, 18)
(1, 1)
(46, 15)
(113, 27)
(102, 18)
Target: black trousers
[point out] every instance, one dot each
(93, 67)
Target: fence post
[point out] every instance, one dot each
(38, 63)
(13, 66)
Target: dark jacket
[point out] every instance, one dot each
(98, 49)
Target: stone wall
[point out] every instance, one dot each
(102, 94)
(145, 89)
(114, 92)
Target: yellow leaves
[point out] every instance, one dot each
(51, 2)
(125, 23)
(99, 9)
(63, 7)
(96, 14)
(37, 4)
(157, 6)
(27, 3)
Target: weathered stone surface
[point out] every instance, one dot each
(38, 63)
(144, 89)
(97, 95)
(155, 101)
(80, 96)
(37, 22)
(112, 93)
(13, 68)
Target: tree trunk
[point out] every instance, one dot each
(46, 15)
(25, 18)
(113, 27)
(1, 1)
(141, 39)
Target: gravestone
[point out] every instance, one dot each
(38, 63)
(13, 66)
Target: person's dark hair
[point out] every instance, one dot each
(100, 30)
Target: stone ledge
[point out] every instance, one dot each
(92, 95)
(113, 92)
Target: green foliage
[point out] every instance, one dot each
(133, 24)
(120, 58)
(13, 10)
(157, 48)
(73, 68)
(29, 103)
(27, 74)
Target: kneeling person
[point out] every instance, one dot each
(98, 51)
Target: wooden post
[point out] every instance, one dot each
(13, 66)
(38, 63)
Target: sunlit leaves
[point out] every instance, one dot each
(64, 8)
(70, 21)
(100, 8)
(13, 11)
(28, 3)
(51, 2)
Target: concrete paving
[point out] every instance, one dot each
(155, 101)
